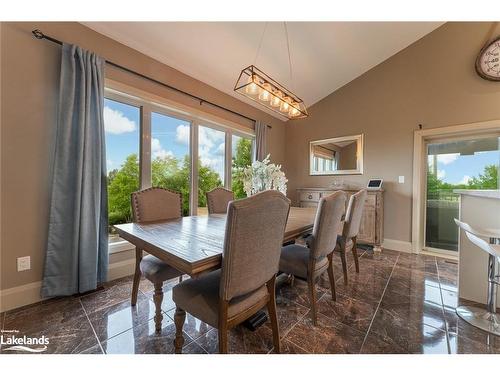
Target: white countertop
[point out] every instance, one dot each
(493, 194)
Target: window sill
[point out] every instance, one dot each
(119, 247)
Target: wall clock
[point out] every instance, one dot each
(488, 61)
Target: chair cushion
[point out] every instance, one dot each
(295, 260)
(200, 297)
(157, 271)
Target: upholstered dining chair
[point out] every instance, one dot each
(218, 199)
(311, 261)
(245, 283)
(348, 240)
(149, 205)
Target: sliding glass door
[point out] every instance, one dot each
(470, 163)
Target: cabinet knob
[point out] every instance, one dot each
(310, 196)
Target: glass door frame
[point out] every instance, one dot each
(420, 139)
(446, 139)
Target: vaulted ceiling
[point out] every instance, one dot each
(324, 55)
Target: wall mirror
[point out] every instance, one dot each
(337, 156)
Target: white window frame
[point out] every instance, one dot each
(147, 106)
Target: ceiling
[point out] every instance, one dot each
(324, 55)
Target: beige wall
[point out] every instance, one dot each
(348, 156)
(29, 93)
(432, 83)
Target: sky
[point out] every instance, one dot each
(169, 137)
(457, 169)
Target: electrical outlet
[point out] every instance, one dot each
(401, 179)
(23, 264)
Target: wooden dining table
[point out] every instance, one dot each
(194, 244)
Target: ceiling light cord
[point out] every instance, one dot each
(289, 56)
(260, 44)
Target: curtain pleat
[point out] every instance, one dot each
(260, 141)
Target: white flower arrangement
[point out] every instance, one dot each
(262, 175)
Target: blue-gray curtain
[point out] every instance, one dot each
(260, 141)
(77, 245)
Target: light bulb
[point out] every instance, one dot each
(276, 99)
(264, 93)
(251, 88)
(293, 110)
(285, 104)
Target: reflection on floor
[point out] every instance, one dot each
(398, 303)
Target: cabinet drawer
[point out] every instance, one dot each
(312, 196)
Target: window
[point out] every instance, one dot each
(241, 158)
(170, 158)
(165, 156)
(211, 163)
(121, 124)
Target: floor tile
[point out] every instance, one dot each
(329, 336)
(412, 279)
(406, 331)
(289, 313)
(457, 327)
(463, 345)
(193, 348)
(60, 312)
(349, 311)
(429, 340)
(422, 263)
(369, 291)
(449, 283)
(375, 344)
(96, 349)
(287, 347)
(71, 337)
(114, 292)
(192, 326)
(113, 320)
(447, 269)
(143, 339)
(240, 341)
(298, 293)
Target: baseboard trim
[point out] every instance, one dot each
(403, 246)
(28, 294)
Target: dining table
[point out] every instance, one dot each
(194, 244)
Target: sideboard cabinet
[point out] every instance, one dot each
(371, 231)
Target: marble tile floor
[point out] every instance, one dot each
(398, 303)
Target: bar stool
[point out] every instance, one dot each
(488, 320)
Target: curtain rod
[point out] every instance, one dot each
(40, 35)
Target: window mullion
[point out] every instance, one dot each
(228, 159)
(194, 168)
(145, 147)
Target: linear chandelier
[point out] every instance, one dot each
(256, 85)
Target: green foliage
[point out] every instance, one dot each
(168, 173)
(487, 180)
(207, 180)
(438, 189)
(241, 159)
(173, 174)
(121, 183)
